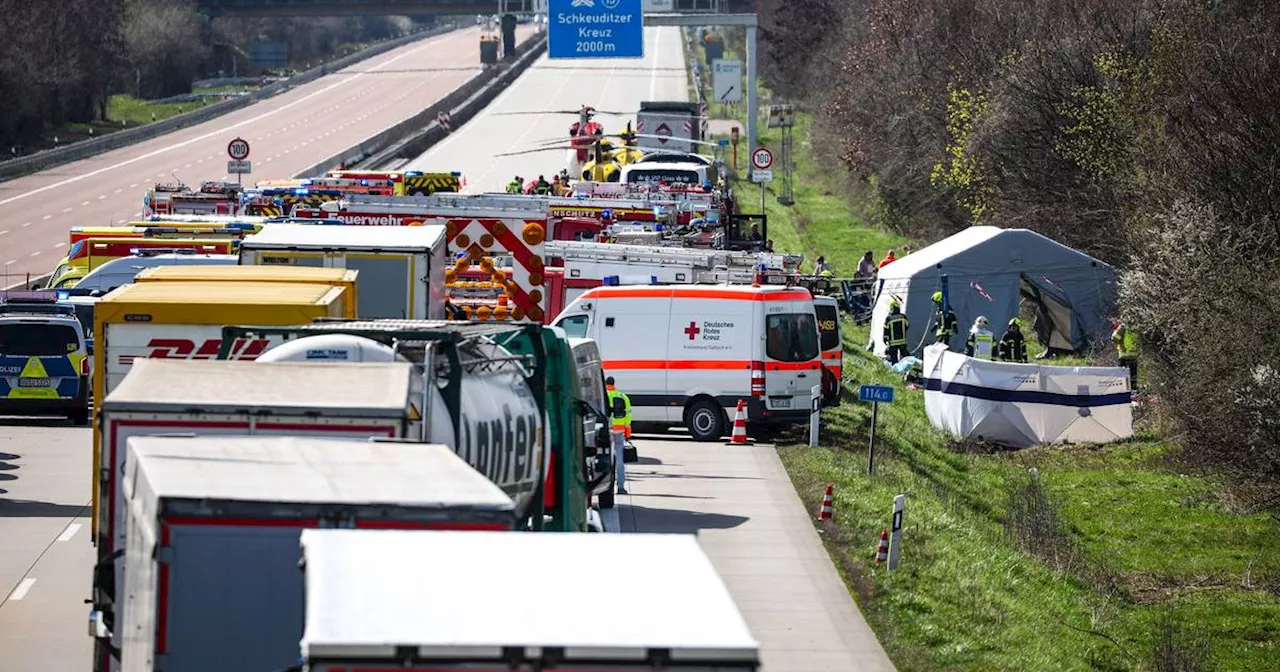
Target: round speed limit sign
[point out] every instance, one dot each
(238, 149)
(762, 158)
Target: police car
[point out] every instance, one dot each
(44, 358)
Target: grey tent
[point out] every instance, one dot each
(989, 271)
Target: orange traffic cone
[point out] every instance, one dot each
(882, 551)
(739, 436)
(824, 512)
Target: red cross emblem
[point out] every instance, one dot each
(692, 330)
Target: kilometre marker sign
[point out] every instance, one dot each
(238, 149)
(595, 29)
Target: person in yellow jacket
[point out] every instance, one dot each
(1126, 341)
(623, 425)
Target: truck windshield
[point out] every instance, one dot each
(574, 326)
(34, 339)
(791, 337)
(656, 175)
(828, 325)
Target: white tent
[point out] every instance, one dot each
(986, 270)
(1024, 405)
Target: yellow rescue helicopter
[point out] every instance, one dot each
(606, 160)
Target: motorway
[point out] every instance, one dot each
(606, 84)
(45, 552)
(288, 133)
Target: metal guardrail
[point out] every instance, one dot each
(87, 148)
(416, 134)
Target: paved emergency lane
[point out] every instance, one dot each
(287, 134)
(46, 558)
(740, 503)
(606, 84)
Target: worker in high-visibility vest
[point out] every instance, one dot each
(620, 424)
(895, 333)
(1126, 341)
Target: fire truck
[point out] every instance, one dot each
(405, 183)
(213, 198)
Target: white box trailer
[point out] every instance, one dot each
(229, 397)
(401, 267)
(445, 601)
(214, 525)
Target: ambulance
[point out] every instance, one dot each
(686, 354)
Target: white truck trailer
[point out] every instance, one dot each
(445, 601)
(401, 267)
(214, 525)
(229, 397)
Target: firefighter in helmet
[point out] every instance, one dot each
(895, 332)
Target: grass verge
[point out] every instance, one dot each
(1111, 558)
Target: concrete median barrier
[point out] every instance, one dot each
(417, 134)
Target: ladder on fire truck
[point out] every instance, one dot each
(698, 258)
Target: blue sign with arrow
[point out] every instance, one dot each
(595, 29)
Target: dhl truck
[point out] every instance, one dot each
(184, 320)
(336, 277)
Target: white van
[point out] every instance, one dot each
(687, 354)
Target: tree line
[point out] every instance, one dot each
(1144, 132)
(60, 66)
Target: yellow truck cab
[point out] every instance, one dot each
(86, 255)
(336, 277)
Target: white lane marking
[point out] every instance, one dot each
(4, 232)
(28, 224)
(84, 203)
(120, 190)
(23, 588)
(69, 532)
(102, 197)
(36, 253)
(276, 110)
(47, 217)
(131, 186)
(66, 209)
(59, 246)
(653, 71)
(10, 262)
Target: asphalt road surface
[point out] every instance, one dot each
(606, 84)
(46, 556)
(287, 133)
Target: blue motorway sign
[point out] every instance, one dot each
(595, 29)
(880, 393)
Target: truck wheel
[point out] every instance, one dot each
(605, 499)
(705, 420)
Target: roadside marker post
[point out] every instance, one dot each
(895, 532)
(876, 394)
(815, 404)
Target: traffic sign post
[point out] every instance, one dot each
(726, 81)
(815, 408)
(238, 150)
(595, 29)
(876, 394)
(761, 160)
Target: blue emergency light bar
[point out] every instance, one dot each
(616, 281)
(456, 174)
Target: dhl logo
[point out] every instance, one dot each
(181, 348)
(425, 185)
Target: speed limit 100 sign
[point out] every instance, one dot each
(762, 158)
(238, 149)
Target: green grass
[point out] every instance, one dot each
(1154, 540)
(122, 107)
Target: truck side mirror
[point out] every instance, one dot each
(619, 408)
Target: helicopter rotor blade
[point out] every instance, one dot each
(675, 139)
(573, 112)
(535, 151)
